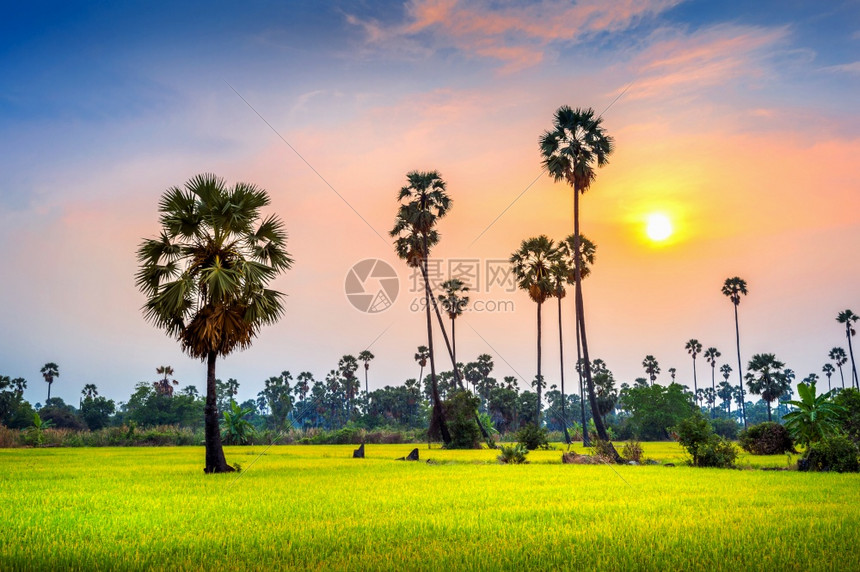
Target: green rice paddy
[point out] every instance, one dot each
(316, 508)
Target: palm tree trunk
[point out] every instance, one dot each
(438, 415)
(586, 441)
(561, 372)
(539, 378)
(740, 368)
(454, 349)
(713, 388)
(366, 390)
(842, 375)
(215, 461)
(592, 398)
(49, 390)
(695, 383)
(851, 353)
(768, 411)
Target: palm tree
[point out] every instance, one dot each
(694, 348)
(770, 383)
(346, 367)
(711, 354)
(725, 391)
(585, 250)
(49, 371)
(532, 265)
(454, 304)
(422, 203)
(164, 386)
(205, 277)
(366, 357)
(672, 372)
(848, 318)
(652, 368)
(734, 288)
(816, 416)
(90, 391)
(421, 357)
(828, 370)
(840, 358)
(573, 148)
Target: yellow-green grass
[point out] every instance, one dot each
(314, 507)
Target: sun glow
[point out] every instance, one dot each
(658, 227)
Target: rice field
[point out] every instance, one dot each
(316, 508)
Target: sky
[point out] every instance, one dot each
(738, 121)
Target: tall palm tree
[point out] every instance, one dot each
(421, 357)
(828, 370)
(694, 348)
(652, 368)
(770, 382)
(840, 358)
(454, 303)
(532, 265)
(848, 318)
(423, 201)
(50, 371)
(711, 354)
(571, 150)
(205, 277)
(585, 250)
(734, 288)
(164, 386)
(366, 357)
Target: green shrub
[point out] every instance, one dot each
(460, 411)
(513, 454)
(726, 428)
(632, 451)
(838, 454)
(706, 448)
(849, 418)
(766, 438)
(603, 449)
(533, 437)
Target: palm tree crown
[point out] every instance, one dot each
(532, 266)
(848, 318)
(652, 368)
(734, 288)
(49, 371)
(452, 301)
(575, 145)
(770, 383)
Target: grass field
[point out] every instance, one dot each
(314, 507)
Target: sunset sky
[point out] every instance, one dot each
(738, 121)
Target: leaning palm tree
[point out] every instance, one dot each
(711, 354)
(454, 303)
(423, 201)
(848, 318)
(532, 267)
(585, 251)
(840, 358)
(652, 368)
(49, 371)
(366, 358)
(571, 150)
(694, 348)
(828, 370)
(205, 277)
(734, 288)
(770, 383)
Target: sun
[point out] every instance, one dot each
(658, 227)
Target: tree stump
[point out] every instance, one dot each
(358, 453)
(413, 456)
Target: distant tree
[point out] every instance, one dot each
(654, 409)
(571, 151)
(607, 396)
(770, 383)
(50, 371)
(165, 385)
(672, 373)
(848, 318)
(206, 276)
(725, 391)
(90, 391)
(454, 303)
(828, 370)
(734, 288)
(304, 381)
(236, 429)
(278, 398)
(366, 357)
(840, 358)
(95, 410)
(346, 367)
(652, 368)
(815, 417)
(14, 411)
(694, 348)
(711, 354)
(531, 265)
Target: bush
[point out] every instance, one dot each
(513, 454)
(533, 437)
(838, 454)
(632, 451)
(849, 418)
(460, 411)
(603, 449)
(766, 438)
(726, 428)
(706, 448)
